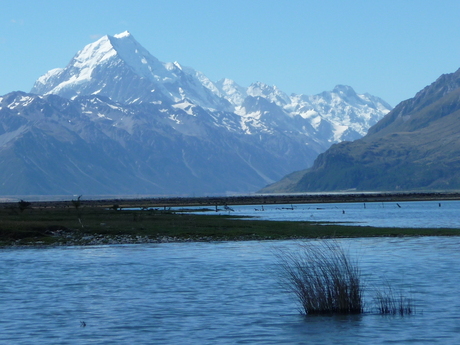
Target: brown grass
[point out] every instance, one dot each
(390, 302)
(324, 278)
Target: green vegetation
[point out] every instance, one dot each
(109, 224)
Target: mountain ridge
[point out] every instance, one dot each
(116, 120)
(158, 82)
(414, 147)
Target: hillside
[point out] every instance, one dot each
(414, 147)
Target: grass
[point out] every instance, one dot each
(324, 279)
(51, 224)
(390, 302)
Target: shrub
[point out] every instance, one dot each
(324, 278)
(77, 203)
(23, 205)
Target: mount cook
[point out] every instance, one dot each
(118, 121)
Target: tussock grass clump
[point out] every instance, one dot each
(324, 278)
(390, 302)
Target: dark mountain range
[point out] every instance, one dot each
(118, 121)
(414, 147)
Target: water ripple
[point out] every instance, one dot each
(208, 293)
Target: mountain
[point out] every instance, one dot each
(116, 120)
(414, 147)
(120, 68)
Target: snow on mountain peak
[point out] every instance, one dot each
(272, 93)
(107, 53)
(234, 93)
(344, 89)
(118, 67)
(138, 58)
(78, 71)
(92, 55)
(342, 107)
(114, 62)
(48, 76)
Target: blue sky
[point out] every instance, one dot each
(390, 49)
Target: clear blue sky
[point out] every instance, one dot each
(390, 48)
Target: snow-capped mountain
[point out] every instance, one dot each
(415, 147)
(116, 120)
(339, 115)
(120, 68)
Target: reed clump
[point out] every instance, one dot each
(324, 278)
(390, 302)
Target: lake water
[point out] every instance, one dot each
(428, 214)
(217, 293)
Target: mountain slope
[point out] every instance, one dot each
(415, 146)
(91, 145)
(116, 120)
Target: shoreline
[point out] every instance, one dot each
(131, 221)
(258, 199)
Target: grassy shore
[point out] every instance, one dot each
(102, 223)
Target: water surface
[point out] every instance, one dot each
(413, 214)
(216, 293)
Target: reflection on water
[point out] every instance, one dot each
(216, 293)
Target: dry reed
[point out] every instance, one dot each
(389, 302)
(324, 278)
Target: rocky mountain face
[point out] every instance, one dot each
(118, 121)
(415, 147)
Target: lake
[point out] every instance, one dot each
(414, 214)
(218, 293)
